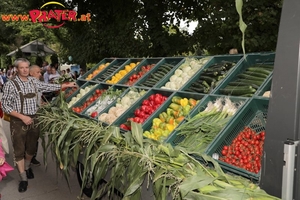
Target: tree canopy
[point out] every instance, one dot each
(144, 28)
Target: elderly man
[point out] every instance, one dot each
(21, 103)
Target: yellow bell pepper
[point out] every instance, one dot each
(184, 102)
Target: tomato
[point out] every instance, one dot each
(94, 114)
(98, 91)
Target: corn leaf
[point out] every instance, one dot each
(137, 133)
(242, 25)
(194, 182)
(135, 184)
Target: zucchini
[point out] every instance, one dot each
(212, 73)
(259, 70)
(238, 90)
(190, 90)
(199, 90)
(249, 77)
(255, 74)
(207, 79)
(198, 85)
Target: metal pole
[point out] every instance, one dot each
(288, 170)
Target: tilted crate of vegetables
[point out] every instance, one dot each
(121, 73)
(171, 117)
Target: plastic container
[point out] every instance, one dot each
(265, 87)
(250, 60)
(215, 60)
(137, 69)
(112, 61)
(173, 63)
(164, 82)
(106, 110)
(86, 84)
(109, 70)
(253, 115)
(130, 112)
(91, 93)
(148, 124)
(136, 61)
(174, 139)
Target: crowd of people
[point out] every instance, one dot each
(22, 97)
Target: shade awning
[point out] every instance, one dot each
(35, 48)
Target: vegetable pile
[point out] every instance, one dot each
(121, 106)
(248, 81)
(157, 75)
(96, 71)
(185, 72)
(245, 151)
(120, 74)
(81, 93)
(134, 164)
(210, 77)
(168, 120)
(137, 75)
(142, 113)
(64, 79)
(88, 101)
(106, 98)
(200, 130)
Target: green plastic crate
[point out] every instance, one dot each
(130, 112)
(132, 60)
(174, 139)
(148, 124)
(148, 61)
(90, 94)
(171, 61)
(248, 61)
(112, 61)
(164, 81)
(89, 83)
(115, 102)
(216, 59)
(109, 70)
(265, 87)
(253, 115)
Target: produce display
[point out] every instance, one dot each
(245, 151)
(122, 104)
(165, 154)
(89, 100)
(168, 120)
(156, 75)
(185, 72)
(210, 77)
(200, 130)
(106, 73)
(142, 113)
(96, 71)
(104, 100)
(247, 82)
(81, 93)
(137, 75)
(120, 74)
(70, 91)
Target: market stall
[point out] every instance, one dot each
(168, 126)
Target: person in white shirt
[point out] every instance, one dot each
(54, 75)
(47, 74)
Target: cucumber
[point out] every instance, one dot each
(259, 70)
(247, 95)
(267, 67)
(164, 66)
(217, 69)
(160, 73)
(250, 81)
(236, 83)
(190, 90)
(212, 73)
(198, 85)
(163, 70)
(242, 90)
(249, 77)
(255, 74)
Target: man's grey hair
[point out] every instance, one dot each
(20, 60)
